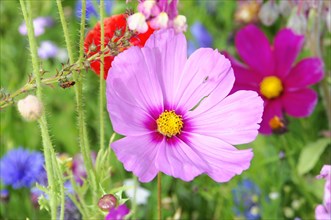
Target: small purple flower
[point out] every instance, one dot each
(78, 168)
(118, 213)
(47, 50)
(39, 25)
(20, 167)
(201, 37)
(246, 200)
(92, 8)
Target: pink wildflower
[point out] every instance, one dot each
(271, 73)
(176, 113)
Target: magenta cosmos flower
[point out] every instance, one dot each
(271, 73)
(175, 112)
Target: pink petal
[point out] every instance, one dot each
(205, 70)
(287, 46)
(175, 158)
(299, 103)
(254, 48)
(325, 173)
(138, 153)
(172, 50)
(225, 161)
(305, 73)
(134, 79)
(321, 213)
(271, 108)
(127, 118)
(234, 119)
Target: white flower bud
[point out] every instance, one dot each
(180, 23)
(268, 13)
(145, 7)
(30, 108)
(161, 21)
(137, 22)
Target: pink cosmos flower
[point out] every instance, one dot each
(271, 73)
(323, 212)
(176, 113)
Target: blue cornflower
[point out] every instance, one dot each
(201, 37)
(20, 167)
(246, 200)
(92, 8)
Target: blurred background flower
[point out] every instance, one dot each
(246, 198)
(20, 167)
(142, 194)
(39, 25)
(47, 50)
(201, 37)
(78, 167)
(92, 8)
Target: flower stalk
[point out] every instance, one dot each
(102, 73)
(83, 139)
(49, 153)
(159, 195)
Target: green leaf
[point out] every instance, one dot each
(310, 155)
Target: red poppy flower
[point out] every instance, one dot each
(114, 23)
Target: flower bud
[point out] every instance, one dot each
(161, 21)
(30, 108)
(146, 7)
(107, 202)
(180, 23)
(137, 22)
(268, 13)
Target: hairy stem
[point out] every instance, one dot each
(159, 195)
(102, 73)
(49, 153)
(83, 139)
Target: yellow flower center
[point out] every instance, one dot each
(276, 123)
(271, 87)
(169, 123)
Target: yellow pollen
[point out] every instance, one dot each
(276, 123)
(271, 87)
(169, 123)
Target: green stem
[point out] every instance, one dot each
(159, 195)
(83, 139)
(102, 73)
(134, 201)
(62, 193)
(48, 148)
